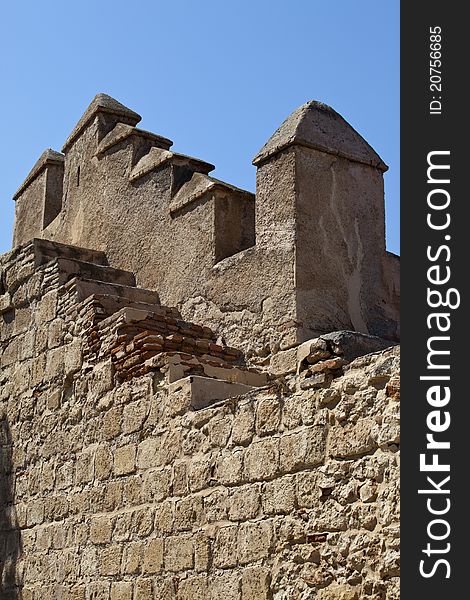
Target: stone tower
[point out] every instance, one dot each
(320, 194)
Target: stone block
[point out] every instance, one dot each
(122, 590)
(143, 521)
(84, 468)
(28, 345)
(124, 459)
(132, 491)
(144, 589)
(153, 556)
(302, 449)
(53, 399)
(56, 333)
(122, 531)
(99, 590)
(225, 547)
(268, 416)
(72, 357)
(216, 505)
(219, 429)
(5, 303)
(200, 473)
(101, 529)
(171, 446)
(35, 512)
(202, 552)
(111, 424)
(112, 498)
(256, 583)
(243, 426)
(244, 503)
(156, 485)
(225, 585)
(148, 453)
(11, 353)
(54, 364)
(179, 553)
(164, 588)
(352, 440)
(164, 518)
(204, 391)
(110, 561)
(283, 362)
(229, 468)
(102, 379)
(188, 513)
(103, 462)
(261, 460)
(47, 308)
(179, 483)
(254, 541)
(132, 558)
(77, 592)
(307, 489)
(134, 415)
(279, 496)
(193, 587)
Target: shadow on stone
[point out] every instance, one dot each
(10, 536)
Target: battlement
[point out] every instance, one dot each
(303, 256)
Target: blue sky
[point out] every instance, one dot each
(217, 77)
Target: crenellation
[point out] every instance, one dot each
(107, 112)
(316, 223)
(39, 198)
(122, 131)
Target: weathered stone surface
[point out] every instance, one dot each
(351, 344)
(255, 583)
(254, 541)
(352, 440)
(304, 449)
(284, 362)
(179, 553)
(261, 459)
(268, 416)
(124, 459)
(153, 556)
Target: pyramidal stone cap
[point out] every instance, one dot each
(105, 104)
(318, 126)
(48, 157)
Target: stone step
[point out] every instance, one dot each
(112, 304)
(88, 287)
(70, 268)
(46, 250)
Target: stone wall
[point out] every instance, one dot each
(142, 480)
